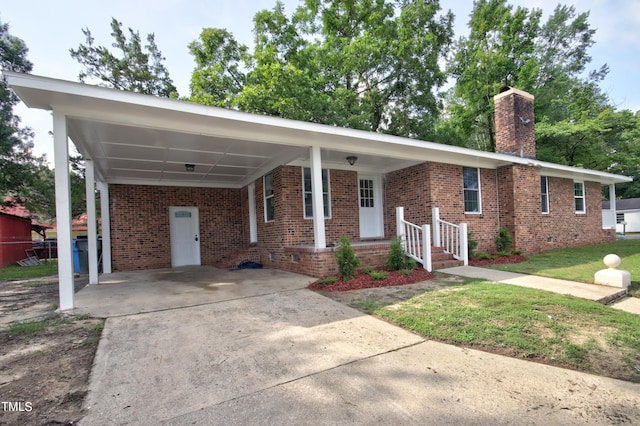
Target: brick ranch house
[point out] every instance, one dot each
(184, 184)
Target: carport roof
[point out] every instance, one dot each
(143, 139)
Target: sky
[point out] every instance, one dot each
(51, 28)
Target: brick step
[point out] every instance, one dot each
(443, 264)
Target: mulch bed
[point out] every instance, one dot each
(362, 280)
(514, 258)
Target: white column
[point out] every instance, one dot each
(106, 227)
(612, 206)
(435, 218)
(319, 238)
(92, 231)
(253, 218)
(63, 210)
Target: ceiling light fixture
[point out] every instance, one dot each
(352, 159)
(189, 167)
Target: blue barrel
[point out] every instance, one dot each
(76, 258)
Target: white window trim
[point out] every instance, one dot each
(546, 181)
(265, 197)
(479, 191)
(304, 212)
(584, 197)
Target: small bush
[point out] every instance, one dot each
(368, 269)
(397, 258)
(378, 275)
(471, 244)
(517, 252)
(411, 264)
(503, 240)
(348, 262)
(483, 256)
(406, 272)
(328, 280)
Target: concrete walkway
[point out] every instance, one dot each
(597, 293)
(289, 356)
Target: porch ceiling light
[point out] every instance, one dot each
(352, 159)
(189, 167)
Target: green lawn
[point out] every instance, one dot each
(15, 272)
(526, 323)
(581, 263)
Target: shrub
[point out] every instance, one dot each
(503, 240)
(471, 244)
(378, 275)
(328, 280)
(367, 269)
(406, 272)
(348, 262)
(483, 256)
(397, 258)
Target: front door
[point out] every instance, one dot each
(185, 236)
(370, 198)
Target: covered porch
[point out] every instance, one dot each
(129, 139)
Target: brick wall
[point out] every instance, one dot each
(514, 120)
(140, 235)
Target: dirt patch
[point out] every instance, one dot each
(44, 372)
(514, 258)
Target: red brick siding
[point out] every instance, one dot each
(140, 236)
(512, 135)
(408, 188)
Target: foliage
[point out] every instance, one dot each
(472, 244)
(17, 162)
(328, 280)
(503, 240)
(378, 275)
(406, 271)
(133, 67)
(15, 272)
(397, 258)
(367, 269)
(371, 65)
(483, 256)
(348, 262)
(27, 327)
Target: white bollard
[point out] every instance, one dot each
(613, 277)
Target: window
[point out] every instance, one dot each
(269, 201)
(578, 194)
(367, 196)
(544, 191)
(308, 197)
(471, 180)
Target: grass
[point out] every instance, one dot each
(31, 327)
(581, 263)
(16, 272)
(525, 323)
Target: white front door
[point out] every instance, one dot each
(185, 236)
(370, 199)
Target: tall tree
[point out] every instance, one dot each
(133, 67)
(499, 51)
(371, 64)
(16, 142)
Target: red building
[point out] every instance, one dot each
(15, 238)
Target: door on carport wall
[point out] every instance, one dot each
(185, 236)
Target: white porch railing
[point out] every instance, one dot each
(452, 238)
(416, 240)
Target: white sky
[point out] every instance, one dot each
(51, 28)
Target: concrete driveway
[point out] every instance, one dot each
(266, 352)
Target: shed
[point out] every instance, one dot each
(15, 238)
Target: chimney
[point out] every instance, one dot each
(515, 134)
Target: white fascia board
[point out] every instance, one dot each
(43, 92)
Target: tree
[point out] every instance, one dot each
(133, 68)
(371, 64)
(499, 51)
(16, 142)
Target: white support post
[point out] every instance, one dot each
(92, 228)
(464, 244)
(612, 206)
(253, 218)
(426, 248)
(63, 210)
(435, 217)
(400, 227)
(106, 227)
(319, 238)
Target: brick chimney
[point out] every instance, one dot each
(515, 134)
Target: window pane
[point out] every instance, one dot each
(544, 190)
(579, 204)
(471, 203)
(271, 208)
(470, 177)
(308, 205)
(268, 184)
(578, 189)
